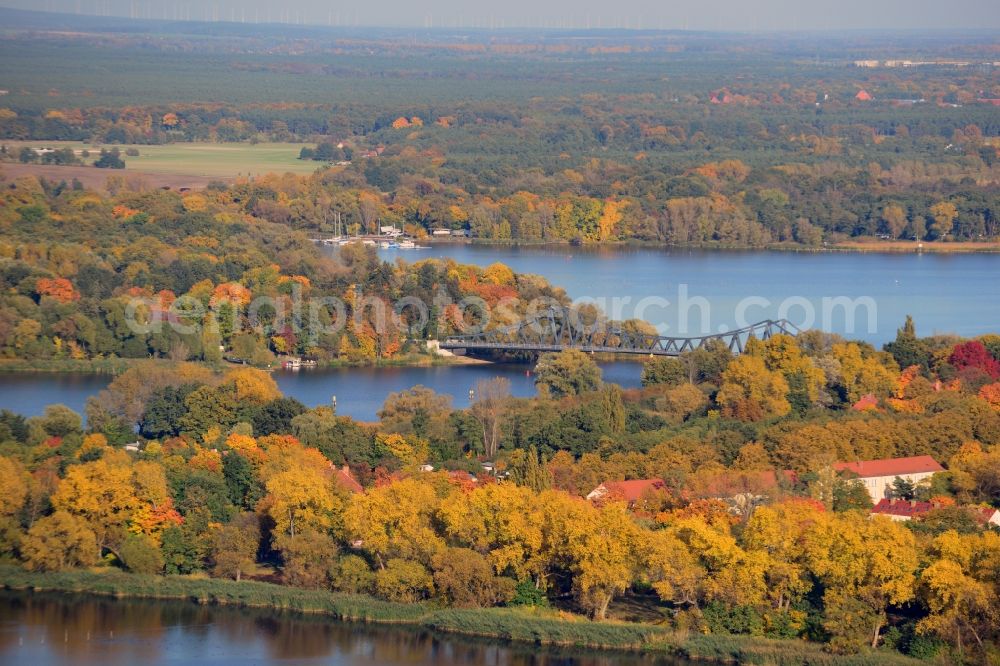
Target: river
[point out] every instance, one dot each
(711, 290)
(360, 392)
(52, 630)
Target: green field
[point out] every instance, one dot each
(210, 160)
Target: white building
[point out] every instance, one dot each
(878, 475)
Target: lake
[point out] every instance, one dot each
(711, 290)
(52, 630)
(945, 293)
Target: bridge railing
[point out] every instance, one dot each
(556, 330)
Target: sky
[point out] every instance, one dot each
(729, 15)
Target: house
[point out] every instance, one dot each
(863, 96)
(900, 510)
(346, 480)
(987, 515)
(441, 232)
(628, 491)
(878, 475)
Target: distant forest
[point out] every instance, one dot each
(663, 137)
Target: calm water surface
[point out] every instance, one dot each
(958, 293)
(360, 391)
(52, 630)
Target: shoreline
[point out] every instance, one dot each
(844, 246)
(540, 627)
(116, 366)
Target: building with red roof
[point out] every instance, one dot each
(878, 475)
(346, 480)
(863, 96)
(898, 509)
(627, 491)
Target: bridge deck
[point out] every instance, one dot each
(596, 349)
(557, 330)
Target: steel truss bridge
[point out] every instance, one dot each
(557, 329)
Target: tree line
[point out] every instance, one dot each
(232, 478)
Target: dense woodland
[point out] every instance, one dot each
(666, 139)
(233, 479)
(72, 261)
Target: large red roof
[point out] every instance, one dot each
(631, 491)
(890, 467)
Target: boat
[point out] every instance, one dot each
(407, 245)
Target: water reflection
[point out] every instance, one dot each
(48, 629)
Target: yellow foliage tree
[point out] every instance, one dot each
(58, 542)
(611, 217)
(500, 520)
(395, 521)
(862, 376)
(751, 392)
(302, 499)
(253, 385)
(865, 563)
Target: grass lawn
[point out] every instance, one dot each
(210, 160)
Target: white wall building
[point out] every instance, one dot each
(878, 475)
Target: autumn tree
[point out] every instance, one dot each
(300, 499)
(567, 373)
(778, 530)
(308, 557)
(103, 493)
(664, 370)
(395, 521)
(604, 561)
(404, 581)
(751, 392)
(235, 549)
(502, 522)
(861, 374)
(465, 579)
(418, 411)
(943, 213)
(963, 605)
(59, 542)
(490, 406)
(894, 220)
(141, 555)
(865, 564)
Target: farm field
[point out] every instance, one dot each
(218, 161)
